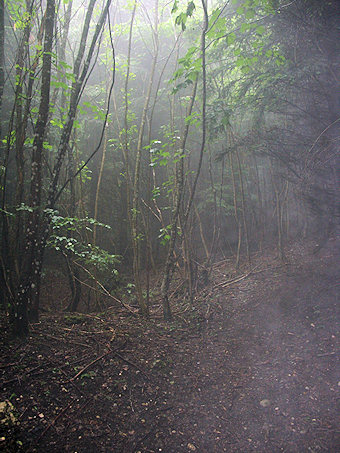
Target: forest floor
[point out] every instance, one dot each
(251, 367)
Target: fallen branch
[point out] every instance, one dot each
(104, 290)
(234, 280)
(53, 421)
(90, 364)
(129, 363)
(325, 354)
(242, 277)
(65, 339)
(29, 373)
(37, 371)
(65, 374)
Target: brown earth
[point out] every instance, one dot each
(252, 366)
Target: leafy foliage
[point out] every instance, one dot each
(62, 239)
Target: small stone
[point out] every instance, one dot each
(264, 403)
(191, 447)
(7, 414)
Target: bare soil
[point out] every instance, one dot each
(251, 366)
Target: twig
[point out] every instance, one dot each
(7, 365)
(23, 413)
(325, 130)
(65, 340)
(234, 280)
(181, 283)
(65, 374)
(325, 354)
(129, 363)
(30, 374)
(90, 364)
(73, 383)
(242, 277)
(53, 421)
(104, 290)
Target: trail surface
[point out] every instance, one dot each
(254, 369)
(265, 376)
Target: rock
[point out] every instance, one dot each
(7, 413)
(265, 403)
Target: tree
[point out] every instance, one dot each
(25, 293)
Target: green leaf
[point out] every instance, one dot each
(245, 69)
(231, 38)
(190, 8)
(250, 13)
(59, 85)
(181, 20)
(244, 27)
(260, 30)
(174, 7)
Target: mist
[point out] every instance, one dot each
(169, 186)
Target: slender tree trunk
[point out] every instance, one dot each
(9, 245)
(180, 178)
(186, 241)
(29, 287)
(236, 213)
(278, 209)
(243, 206)
(100, 176)
(151, 174)
(204, 104)
(261, 217)
(136, 186)
(125, 143)
(175, 217)
(38, 226)
(203, 239)
(3, 277)
(217, 226)
(80, 79)
(2, 56)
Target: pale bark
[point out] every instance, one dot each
(29, 287)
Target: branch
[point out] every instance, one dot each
(325, 130)
(90, 364)
(106, 292)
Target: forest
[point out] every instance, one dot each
(169, 220)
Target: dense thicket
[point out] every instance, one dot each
(152, 136)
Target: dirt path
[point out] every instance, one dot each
(264, 376)
(256, 371)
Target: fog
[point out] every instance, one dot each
(144, 143)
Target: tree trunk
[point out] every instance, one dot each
(29, 286)
(180, 179)
(2, 56)
(38, 225)
(236, 213)
(243, 205)
(136, 186)
(175, 217)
